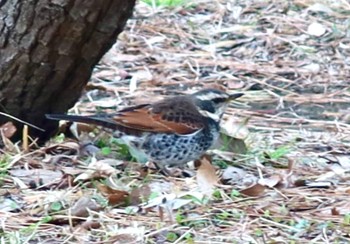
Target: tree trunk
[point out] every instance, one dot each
(48, 49)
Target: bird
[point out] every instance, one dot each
(170, 132)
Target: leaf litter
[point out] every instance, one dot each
(284, 176)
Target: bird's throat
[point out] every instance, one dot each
(208, 114)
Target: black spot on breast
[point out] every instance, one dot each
(155, 154)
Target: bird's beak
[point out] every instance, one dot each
(235, 96)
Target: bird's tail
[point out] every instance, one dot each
(100, 120)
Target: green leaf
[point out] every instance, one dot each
(280, 152)
(171, 236)
(179, 217)
(56, 206)
(125, 149)
(106, 151)
(346, 219)
(232, 144)
(258, 232)
(235, 193)
(59, 138)
(267, 213)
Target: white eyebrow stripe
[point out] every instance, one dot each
(210, 96)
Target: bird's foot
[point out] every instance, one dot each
(165, 171)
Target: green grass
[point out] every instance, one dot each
(4, 165)
(280, 152)
(165, 3)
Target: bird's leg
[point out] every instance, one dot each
(162, 169)
(173, 172)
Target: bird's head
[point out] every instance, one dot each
(212, 103)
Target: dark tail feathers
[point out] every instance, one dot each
(100, 120)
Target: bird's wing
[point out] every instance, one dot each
(179, 117)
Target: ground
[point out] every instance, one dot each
(283, 161)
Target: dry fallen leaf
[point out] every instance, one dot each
(319, 7)
(228, 156)
(312, 68)
(89, 149)
(170, 201)
(91, 224)
(233, 174)
(316, 29)
(235, 128)
(343, 160)
(139, 194)
(8, 204)
(235, 84)
(114, 196)
(80, 208)
(109, 74)
(253, 191)
(238, 176)
(271, 181)
(97, 169)
(33, 178)
(8, 129)
(206, 176)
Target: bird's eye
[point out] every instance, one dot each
(219, 100)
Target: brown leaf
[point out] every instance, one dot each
(334, 211)
(272, 181)
(114, 196)
(253, 191)
(206, 176)
(80, 208)
(8, 129)
(139, 194)
(90, 224)
(122, 238)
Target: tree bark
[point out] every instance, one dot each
(48, 49)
